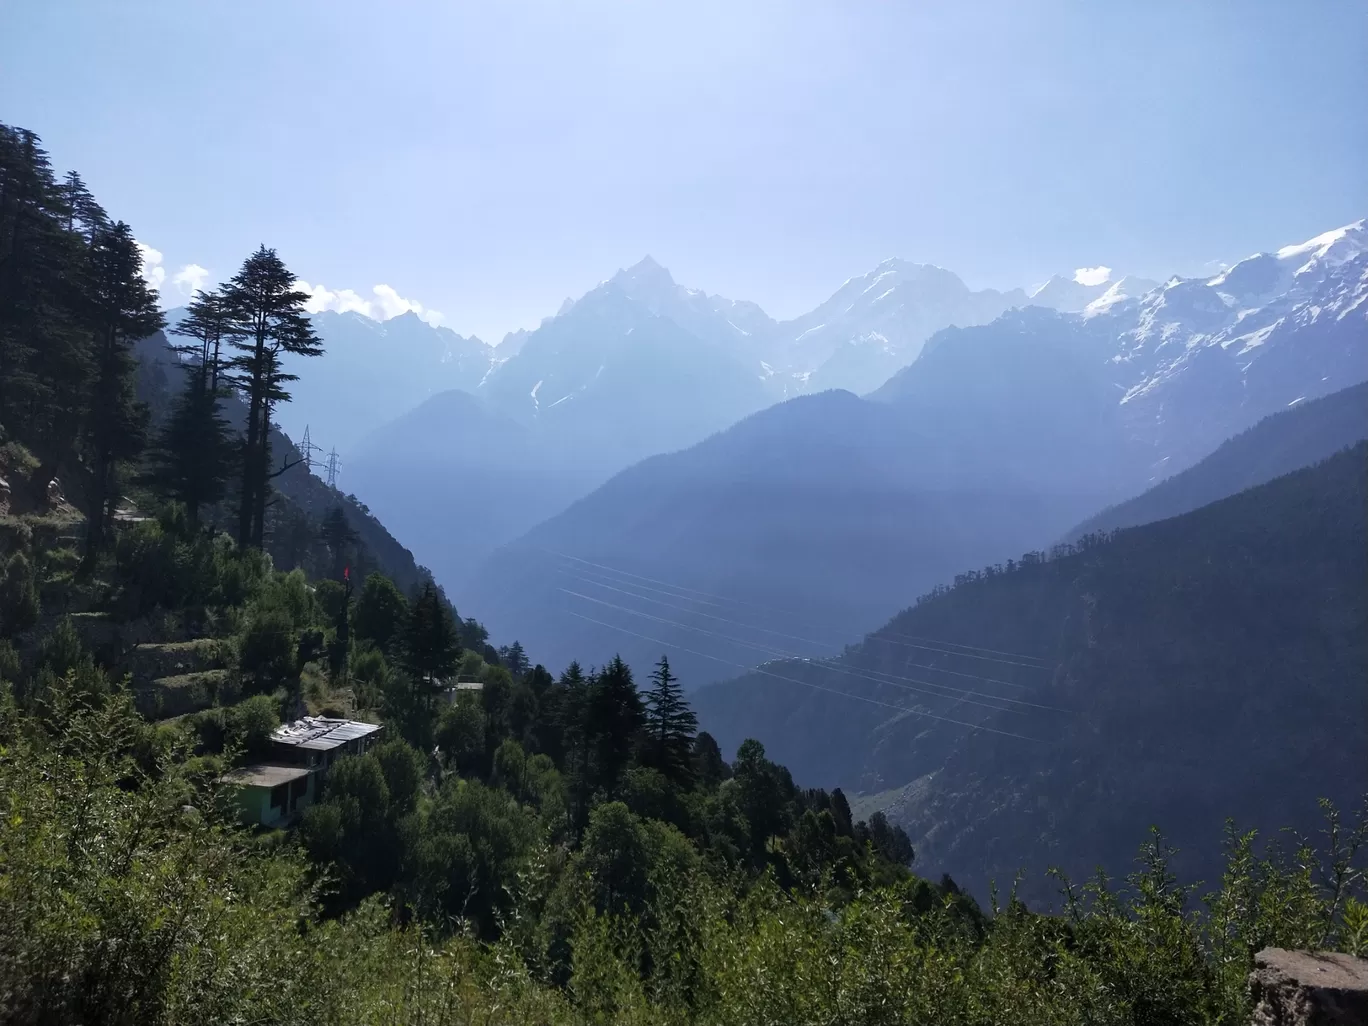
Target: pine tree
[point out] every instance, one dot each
(195, 455)
(122, 309)
(338, 535)
(670, 724)
(266, 319)
(208, 323)
(382, 613)
(432, 647)
(613, 721)
(82, 214)
(515, 658)
(572, 720)
(341, 643)
(45, 337)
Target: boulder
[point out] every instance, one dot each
(1308, 988)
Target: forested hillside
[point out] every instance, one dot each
(1208, 665)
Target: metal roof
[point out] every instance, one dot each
(266, 776)
(321, 733)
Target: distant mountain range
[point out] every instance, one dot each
(833, 508)
(996, 438)
(638, 366)
(642, 366)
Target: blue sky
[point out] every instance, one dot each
(489, 159)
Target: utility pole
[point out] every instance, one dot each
(331, 468)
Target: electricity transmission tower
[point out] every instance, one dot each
(331, 468)
(307, 450)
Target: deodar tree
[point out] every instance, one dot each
(122, 309)
(266, 321)
(670, 725)
(194, 454)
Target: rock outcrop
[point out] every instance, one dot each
(1305, 988)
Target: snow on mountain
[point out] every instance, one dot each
(1214, 355)
(1131, 287)
(711, 318)
(1067, 294)
(638, 365)
(877, 322)
(1333, 247)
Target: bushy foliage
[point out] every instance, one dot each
(169, 564)
(19, 603)
(266, 653)
(128, 895)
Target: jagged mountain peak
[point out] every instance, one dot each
(1069, 294)
(1129, 287)
(645, 274)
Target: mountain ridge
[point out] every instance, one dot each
(1172, 668)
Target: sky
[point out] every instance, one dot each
(483, 161)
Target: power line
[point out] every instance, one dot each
(987, 655)
(766, 630)
(806, 684)
(894, 682)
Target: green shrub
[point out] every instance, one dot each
(19, 603)
(266, 650)
(249, 724)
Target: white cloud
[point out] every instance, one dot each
(1092, 275)
(190, 279)
(152, 270)
(386, 303)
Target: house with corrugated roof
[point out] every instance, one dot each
(275, 793)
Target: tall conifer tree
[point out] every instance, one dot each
(670, 724)
(613, 721)
(266, 321)
(432, 647)
(339, 537)
(206, 326)
(122, 308)
(45, 334)
(194, 456)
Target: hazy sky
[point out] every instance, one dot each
(488, 159)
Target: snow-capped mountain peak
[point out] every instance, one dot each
(1068, 294)
(1131, 287)
(1332, 247)
(1220, 352)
